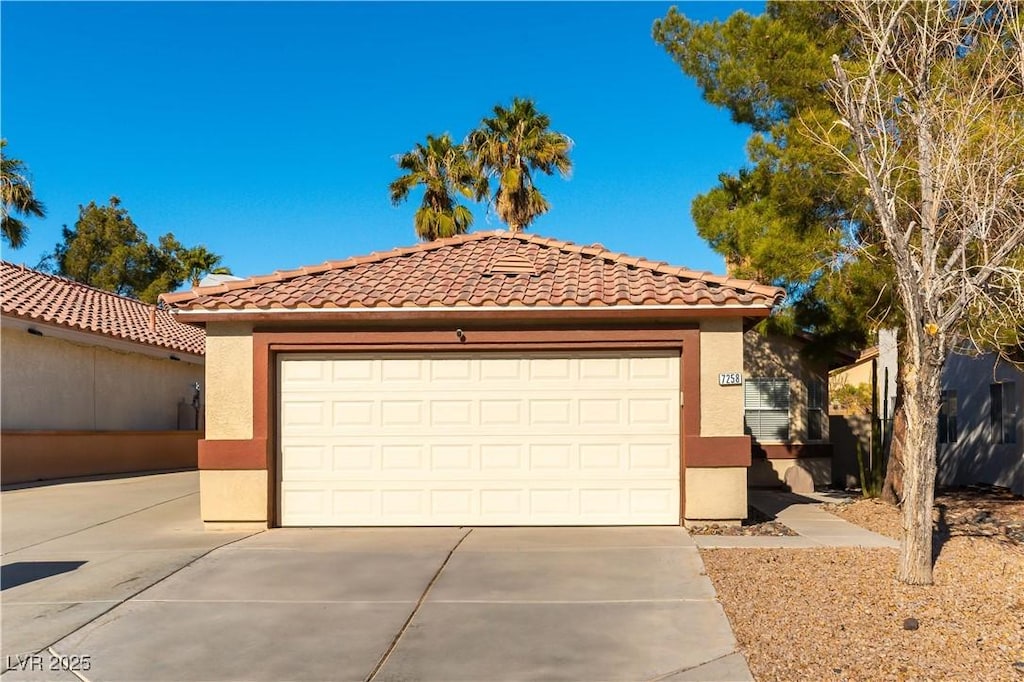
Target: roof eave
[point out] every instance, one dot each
(73, 333)
(580, 313)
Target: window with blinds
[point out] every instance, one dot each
(766, 408)
(815, 409)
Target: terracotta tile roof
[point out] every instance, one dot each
(32, 295)
(481, 269)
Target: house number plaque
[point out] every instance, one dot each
(730, 379)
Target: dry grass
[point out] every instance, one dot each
(838, 614)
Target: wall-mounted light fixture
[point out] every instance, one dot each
(34, 332)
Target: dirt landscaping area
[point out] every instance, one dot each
(757, 523)
(839, 614)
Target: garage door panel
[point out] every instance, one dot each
(499, 413)
(450, 413)
(453, 503)
(351, 370)
(564, 456)
(588, 438)
(654, 369)
(353, 457)
(349, 415)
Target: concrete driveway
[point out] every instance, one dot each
(390, 604)
(73, 551)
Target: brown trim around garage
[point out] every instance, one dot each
(790, 450)
(233, 454)
(689, 406)
(689, 384)
(482, 348)
(266, 345)
(261, 451)
(718, 451)
(449, 339)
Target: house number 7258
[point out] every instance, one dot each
(730, 379)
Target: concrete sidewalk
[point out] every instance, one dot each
(804, 515)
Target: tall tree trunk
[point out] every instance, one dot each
(921, 408)
(892, 489)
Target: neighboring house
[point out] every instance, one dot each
(981, 439)
(980, 436)
(867, 379)
(93, 383)
(488, 379)
(785, 409)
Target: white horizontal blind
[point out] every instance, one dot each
(815, 408)
(766, 413)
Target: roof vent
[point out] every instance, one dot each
(511, 265)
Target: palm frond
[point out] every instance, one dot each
(511, 144)
(16, 196)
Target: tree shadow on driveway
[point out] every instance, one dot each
(22, 572)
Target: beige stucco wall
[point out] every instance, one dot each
(721, 351)
(56, 385)
(853, 375)
(236, 495)
(716, 493)
(228, 381)
(776, 356)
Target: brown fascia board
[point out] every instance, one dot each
(512, 313)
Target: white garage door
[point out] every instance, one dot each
(481, 439)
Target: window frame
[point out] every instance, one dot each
(816, 392)
(759, 410)
(1003, 412)
(947, 419)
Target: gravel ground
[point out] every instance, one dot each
(971, 511)
(756, 523)
(838, 614)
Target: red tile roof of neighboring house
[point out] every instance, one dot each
(481, 269)
(32, 295)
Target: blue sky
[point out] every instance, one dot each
(268, 131)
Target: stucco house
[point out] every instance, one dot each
(981, 437)
(494, 378)
(93, 383)
(861, 388)
(786, 409)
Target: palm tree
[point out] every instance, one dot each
(197, 262)
(444, 170)
(512, 144)
(17, 196)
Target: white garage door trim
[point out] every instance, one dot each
(559, 438)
